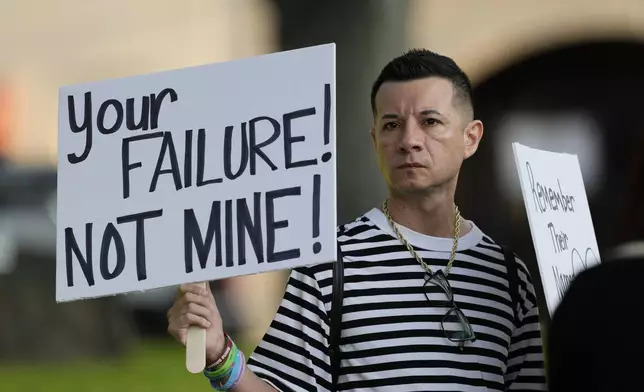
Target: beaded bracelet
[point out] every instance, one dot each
(228, 370)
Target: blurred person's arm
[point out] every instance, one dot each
(525, 368)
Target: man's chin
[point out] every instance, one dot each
(414, 188)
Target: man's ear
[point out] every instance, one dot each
(472, 136)
(372, 132)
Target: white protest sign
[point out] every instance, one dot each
(559, 216)
(196, 174)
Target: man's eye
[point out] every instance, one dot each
(390, 125)
(431, 121)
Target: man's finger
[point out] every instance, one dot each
(198, 310)
(190, 319)
(173, 330)
(172, 310)
(179, 335)
(192, 288)
(191, 298)
(183, 337)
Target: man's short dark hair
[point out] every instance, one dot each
(423, 63)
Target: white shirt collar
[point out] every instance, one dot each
(469, 240)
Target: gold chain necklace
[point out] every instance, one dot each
(410, 248)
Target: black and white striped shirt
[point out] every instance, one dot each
(391, 336)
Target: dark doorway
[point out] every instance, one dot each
(585, 99)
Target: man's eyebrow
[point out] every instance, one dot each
(389, 116)
(422, 113)
(430, 111)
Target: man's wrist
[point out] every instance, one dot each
(227, 370)
(216, 354)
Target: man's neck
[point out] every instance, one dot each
(431, 214)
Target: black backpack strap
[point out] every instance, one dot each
(513, 280)
(336, 317)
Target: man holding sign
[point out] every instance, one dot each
(428, 299)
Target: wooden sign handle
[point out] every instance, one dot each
(196, 347)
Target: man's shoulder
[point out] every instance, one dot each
(348, 233)
(355, 227)
(487, 242)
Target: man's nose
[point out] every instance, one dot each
(411, 139)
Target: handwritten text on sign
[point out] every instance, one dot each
(559, 216)
(197, 174)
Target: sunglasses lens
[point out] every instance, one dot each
(456, 326)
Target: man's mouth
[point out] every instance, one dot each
(410, 165)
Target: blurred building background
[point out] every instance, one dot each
(563, 76)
